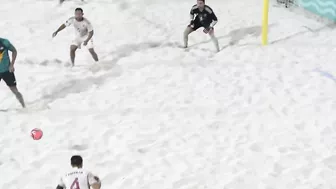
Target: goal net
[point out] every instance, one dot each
(287, 3)
(322, 9)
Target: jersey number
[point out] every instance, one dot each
(75, 184)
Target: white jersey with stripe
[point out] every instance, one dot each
(82, 27)
(78, 178)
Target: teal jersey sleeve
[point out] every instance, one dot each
(7, 44)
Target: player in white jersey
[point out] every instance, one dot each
(84, 33)
(78, 178)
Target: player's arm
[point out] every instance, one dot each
(60, 28)
(59, 187)
(94, 181)
(96, 185)
(61, 184)
(63, 26)
(89, 36)
(214, 20)
(192, 17)
(8, 45)
(192, 14)
(212, 16)
(91, 32)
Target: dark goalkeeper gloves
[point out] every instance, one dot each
(191, 23)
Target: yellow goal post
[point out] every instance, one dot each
(264, 34)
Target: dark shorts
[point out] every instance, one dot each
(9, 78)
(198, 24)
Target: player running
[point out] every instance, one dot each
(205, 17)
(78, 178)
(7, 68)
(84, 33)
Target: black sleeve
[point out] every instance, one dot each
(192, 11)
(59, 187)
(211, 13)
(213, 16)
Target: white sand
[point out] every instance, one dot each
(152, 116)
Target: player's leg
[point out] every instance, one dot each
(75, 44)
(186, 33)
(93, 53)
(214, 39)
(9, 78)
(189, 30)
(73, 49)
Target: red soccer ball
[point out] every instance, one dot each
(36, 134)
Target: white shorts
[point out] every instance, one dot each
(78, 41)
